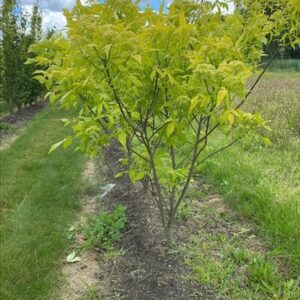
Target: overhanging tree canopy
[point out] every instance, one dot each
(160, 83)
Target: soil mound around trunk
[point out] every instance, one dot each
(147, 270)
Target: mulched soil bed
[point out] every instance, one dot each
(24, 114)
(147, 270)
(16, 120)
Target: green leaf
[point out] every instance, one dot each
(264, 40)
(30, 61)
(68, 142)
(55, 146)
(135, 176)
(53, 97)
(40, 78)
(47, 95)
(135, 115)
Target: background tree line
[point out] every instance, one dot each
(18, 31)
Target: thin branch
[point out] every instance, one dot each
(222, 148)
(158, 129)
(205, 139)
(258, 79)
(82, 98)
(217, 151)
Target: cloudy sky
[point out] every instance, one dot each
(52, 10)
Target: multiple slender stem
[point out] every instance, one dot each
(202, 128)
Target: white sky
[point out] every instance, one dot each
(52, 11)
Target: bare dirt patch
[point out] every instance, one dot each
(82, 277)
(15, 123)
(215, 201)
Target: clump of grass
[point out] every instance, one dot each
(262, 272)
(39, 198)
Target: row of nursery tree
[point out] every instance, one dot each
(18, 31)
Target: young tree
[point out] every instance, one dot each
(160, 83)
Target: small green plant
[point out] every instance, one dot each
(103, 230)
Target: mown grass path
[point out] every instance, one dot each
(39, 198)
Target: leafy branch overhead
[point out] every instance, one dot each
(161, 83)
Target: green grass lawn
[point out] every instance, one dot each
(263, 182)
(39, 198)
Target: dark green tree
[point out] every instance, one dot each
(11, 60)
(32, 89)
(17, 34)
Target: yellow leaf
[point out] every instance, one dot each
(194, 102)
(107, 49)
(122, 139)
(153, 74)
(138, 58)
(231, 119)
(118, 175)
(55, 146)
(170, 128)
(266, 140)
(222, 94)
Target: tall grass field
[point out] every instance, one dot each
(285, 65)
(260, 181)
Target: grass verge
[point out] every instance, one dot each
(262, 182)
(39, 198)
